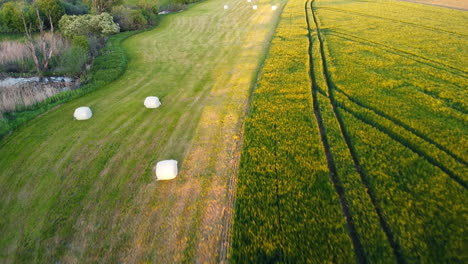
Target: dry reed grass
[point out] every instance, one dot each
(15, 51)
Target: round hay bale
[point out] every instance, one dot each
(166, 170)
(82, 113)
(254, 7)
(152, 102)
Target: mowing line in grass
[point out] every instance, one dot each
(359, 251)
(364, 178)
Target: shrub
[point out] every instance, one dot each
(128, 18)
(71, 62)
(82, 42)
(86, 25)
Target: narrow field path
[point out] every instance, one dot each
(86, 192)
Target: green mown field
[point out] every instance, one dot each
(380, 127)
(85, 191)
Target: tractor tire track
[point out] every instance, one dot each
(395, 20)
(387, 131)
(406, 127)
(363, 175)
(426, 61)
(350, 226)
(407, 144)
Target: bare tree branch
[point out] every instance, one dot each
(46, 42)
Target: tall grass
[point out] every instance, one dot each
(15, 56)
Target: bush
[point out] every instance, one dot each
(133, 18)
(128, 18)
(72, 62)
(82, 42)
(88, 25)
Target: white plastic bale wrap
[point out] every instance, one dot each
(166, 170)
(273, 7)
(226, 7)
(254, 7)
(152, 102)
(83, 113)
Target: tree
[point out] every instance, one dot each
(50, 9)
(11, 18)
(100, 6)
(45, 43)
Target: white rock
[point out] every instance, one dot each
(254, 7)
(166, 170)
(83, 113)
(152, 102)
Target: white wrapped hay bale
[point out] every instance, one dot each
(273, 7)
(248, 1)
(226, 7)
(152, 102)
(83, 113)
(166, 170)
(254, 7)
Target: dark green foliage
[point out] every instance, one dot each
(71, 63)
(74, 7)
(10, 18)
(133, 18)
(81, 41)
(50, 8)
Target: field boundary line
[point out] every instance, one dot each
(228, 214)
(397, 251)
(358, 248)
